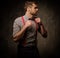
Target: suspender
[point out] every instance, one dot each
(24, 42)
(23, 20)
(36, 26)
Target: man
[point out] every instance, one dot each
(25, 31)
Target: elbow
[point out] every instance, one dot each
(44, 35)
(14, 39)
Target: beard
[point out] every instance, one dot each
(34, 14)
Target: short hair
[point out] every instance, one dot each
(29, 3)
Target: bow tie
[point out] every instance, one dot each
(32, 18)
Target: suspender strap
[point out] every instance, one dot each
(24, 42)
(23, 20)
(36, 26)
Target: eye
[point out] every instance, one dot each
(36, 7)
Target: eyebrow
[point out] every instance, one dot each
(36, 7)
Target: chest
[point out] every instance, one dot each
(33, 27)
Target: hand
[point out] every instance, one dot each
(38, 20)
(28, 23)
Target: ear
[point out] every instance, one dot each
(28, 8)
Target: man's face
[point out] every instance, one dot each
(34, 9)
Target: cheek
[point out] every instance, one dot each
(34, 10)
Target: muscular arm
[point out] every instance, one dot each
(42, 30)
(19, 34)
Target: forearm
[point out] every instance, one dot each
(43, 30)
(19, 34)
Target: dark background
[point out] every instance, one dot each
(49, 13)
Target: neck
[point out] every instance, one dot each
(28, 14)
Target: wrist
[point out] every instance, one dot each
(24, 26)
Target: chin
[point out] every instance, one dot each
(34, 14)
